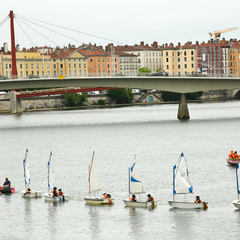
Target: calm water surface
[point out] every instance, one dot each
(155, 135)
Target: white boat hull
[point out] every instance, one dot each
(139, 204)
(97, 201)
(35, 194)
(236, 203)
(49, 197)
(186, 205)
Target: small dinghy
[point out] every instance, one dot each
(94, 186)
(7, 190)
(136, 187)
(232, 162)
(49, 196)
(182, 185)
(236, 203)
(28, 193)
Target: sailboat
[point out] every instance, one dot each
(236, 203)
(182, 185)
(26, 193)
(49, 196)
(94, 186)
(136, 187)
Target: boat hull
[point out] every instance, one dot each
(12, 190)
(35, 194)
(97, 201)
(140, 204)
(232, 162)
(236, 203)
(186, 205)
(49, 198)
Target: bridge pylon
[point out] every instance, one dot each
(183, 108)
(15, 104)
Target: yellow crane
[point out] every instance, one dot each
(217, 34)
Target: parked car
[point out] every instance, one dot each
(160, 74)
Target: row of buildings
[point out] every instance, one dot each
(214, 59)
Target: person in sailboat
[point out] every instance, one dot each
(198, 200)
(104, 196)
(60, 192)
(29, 191)
(54, 192)
(133, 198)
(150, 198)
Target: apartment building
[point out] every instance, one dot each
(234, 59)
(147, 56)
(179, 60)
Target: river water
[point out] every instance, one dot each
(157, 138)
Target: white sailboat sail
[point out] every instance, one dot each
(26, 171)
(181, 183)
(50, 175)
(93, 178)
(135, 183)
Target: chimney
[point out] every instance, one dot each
(126, 46)
(197, 43)
(100, 47)
(211, 40)
(171, 45)
(5, 47)
(108, 48)
(179, 44)
(146, 45)
(155, 44)
(59, 52)
(18, 48)
(166, 45)
(142, 43)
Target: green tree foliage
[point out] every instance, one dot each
(75, 99)
(171, 96)
(101, 102)
(144, 71)
(121, 95)
(158, 70)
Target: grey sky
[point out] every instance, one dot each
(123, 21)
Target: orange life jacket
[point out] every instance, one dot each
(60, 194)
(231, 153)
(198, 201)
(150, 199)
(131, 198)
(55, 193)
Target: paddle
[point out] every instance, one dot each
(153, 204)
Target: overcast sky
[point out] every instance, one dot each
(120, 21)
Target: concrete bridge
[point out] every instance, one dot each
(172, 84)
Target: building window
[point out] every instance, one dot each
(61, 72)
(167, 66)
(32, 72)
(84, 72)
(32, 65)
(166, 59)
(192, 65)
(21, 74)
(80, 72)
(98, 59)
(55, 73)
(70, 73)
(178, 59)
(26, 73)
(185, 65)
(185, 59)
(61, 65)
(75, 72)
(108, 65)
(26, 66)
(185, 53)
(191, 52)
(20, 66)
(139, 60)
(37, 66)
(10, 66)
(121, 67)
(37, 73)
(75, 65)
(54, 66)
(98, 65)
(179, 66)
(233, 63)
(192, 58)
(91, 60)
(69, 65)
(166, 54)
(84, 65)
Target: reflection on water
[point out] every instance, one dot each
(152, 133)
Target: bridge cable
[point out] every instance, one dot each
(30, 40)
(38, 32)
(92, 35)
(4, 20)
(50, 30)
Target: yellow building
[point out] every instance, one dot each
(31, 63)
(180, 60)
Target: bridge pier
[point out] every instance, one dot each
(15, 104)
(183, 108)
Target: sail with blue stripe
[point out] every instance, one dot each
(26, 169)
(135, 183)
(50, 174)
(181, 182)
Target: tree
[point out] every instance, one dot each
(171, 96)
(158, 70)
(121, 95)
(144, 71)
(75, 99)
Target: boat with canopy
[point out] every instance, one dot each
(136, 187)
(49, 196)
(182, 185)
(236, 203)
(28, 193)
(94, 186)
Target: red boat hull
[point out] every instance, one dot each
(232, 162)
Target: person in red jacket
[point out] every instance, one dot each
(133, 198)
(150, 198)
(198, 200)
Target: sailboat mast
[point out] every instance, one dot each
(238, 192)
(129, 181)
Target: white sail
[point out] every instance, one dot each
(50, 175)
(93, 178)
(181, 183)
(135, 184)
(26, 171)
(238, 191)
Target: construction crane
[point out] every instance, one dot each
(217, 34)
